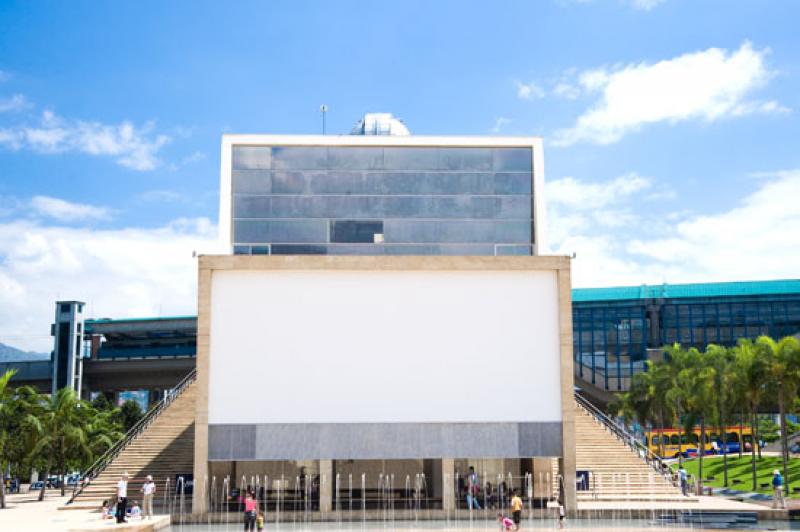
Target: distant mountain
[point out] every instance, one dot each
(12, 354)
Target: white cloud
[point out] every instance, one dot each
(66, 211)
(759, 238)
(189, 159)
(118, 273)
(162, 196)
(708, 85)
(577, 207)
(582, 195)
(132, 147)
(646, 5)
(529, 91)
(17, 102)
(566, 91)
(499, 124)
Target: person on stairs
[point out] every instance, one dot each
(122, 498)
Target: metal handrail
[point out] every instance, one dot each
(101, 463)
(627, 437)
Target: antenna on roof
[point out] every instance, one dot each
(323, 109)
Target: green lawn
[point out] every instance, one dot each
(739, 469)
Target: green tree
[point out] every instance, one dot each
(20, 404)
(5, 393)
(698, 381)
(103, 430)
(783, 369)
(131, 413)
(720, 360)
(679, 392)
(101, 403)
(62, 429)
(751, 371)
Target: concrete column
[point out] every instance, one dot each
(566, 464)
(326, 487)
(542, 471)
(448, 486)
(566, 469)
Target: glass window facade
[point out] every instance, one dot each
(611, 338)
(419, 200)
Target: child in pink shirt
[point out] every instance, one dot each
(505, 522)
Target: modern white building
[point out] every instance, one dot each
(383, 314)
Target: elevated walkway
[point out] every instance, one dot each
(161, 445)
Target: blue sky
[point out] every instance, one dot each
(670, 126)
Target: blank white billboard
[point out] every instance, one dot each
(384, 347)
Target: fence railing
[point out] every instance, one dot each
(624, 435)
(101, 463)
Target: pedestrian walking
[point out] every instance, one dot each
(777, 491)
(122, 498)
(683, 476)
(473, 489)
(516, 509)
(149, 491)
(250, 511)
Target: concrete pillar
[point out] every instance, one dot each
(566, 469)
(448, 485)
(542, 471)
(326, 487)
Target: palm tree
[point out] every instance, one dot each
(103, 430)
(5, 393)
(720, 360)
(697, 378)
(783, 368)
(679, 392)
(62, 429)
(751, 374)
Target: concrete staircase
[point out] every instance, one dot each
(163, 449)
(616, 472)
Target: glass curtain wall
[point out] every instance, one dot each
(611, 338)
(382, 200)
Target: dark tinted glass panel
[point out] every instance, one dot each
(411, 158)
(260, 250)
(513, 160)
(513, 250)
(349, 231)
(466, 159)
(280, 231)
(289, 249)
(241, 250)
(63, 353)
(299, 158)
(252, 181)
(355, 158)
(356, 249)
(518, 183)
(251, 157)
(252, 206)
(294, 182)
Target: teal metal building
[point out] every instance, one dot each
(616, 329)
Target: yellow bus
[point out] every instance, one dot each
(676, 442)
